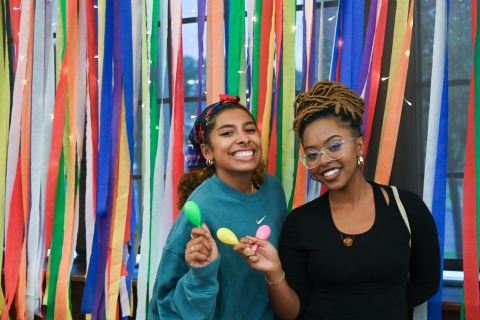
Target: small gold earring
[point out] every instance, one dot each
(209, 162)
(360, 161)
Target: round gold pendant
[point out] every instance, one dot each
(347, 241)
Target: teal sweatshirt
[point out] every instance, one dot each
(227, 288)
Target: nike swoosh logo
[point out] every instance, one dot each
(260, 221)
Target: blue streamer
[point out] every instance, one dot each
(336, 41)
(127, 66)
(105, 221)
(358, 25)
(104, 154)
(105, 135)
(434, 310)
(89, 289)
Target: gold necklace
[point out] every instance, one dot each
(347, 241)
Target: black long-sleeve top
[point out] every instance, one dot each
(378, 277)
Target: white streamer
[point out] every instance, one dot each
(34, 250)
(436, 90)
(142, 281)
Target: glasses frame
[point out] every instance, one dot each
(303, 157)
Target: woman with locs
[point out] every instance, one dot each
(346, 254)
(199, 277)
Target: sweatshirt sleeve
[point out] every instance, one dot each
(181, 292)
(425, 261)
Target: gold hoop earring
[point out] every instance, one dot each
(209, 162)
(360, 161)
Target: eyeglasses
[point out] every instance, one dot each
(332, 151)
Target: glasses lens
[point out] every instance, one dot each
(335, 150)
(310, 159)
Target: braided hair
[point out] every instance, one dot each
(328, 99)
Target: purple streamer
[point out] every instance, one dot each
(313, 46)
(201, 30)
(368, 48)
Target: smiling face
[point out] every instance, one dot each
(233, 143)
(335, 174)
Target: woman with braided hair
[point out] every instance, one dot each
(200, 277)
(347, 254)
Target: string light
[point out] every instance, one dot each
(240, 71)
(383, 79)
(96, 57)
(95, 7)
(331, 18)
(407, 52)
(408, 102)
(52, 116)
(192, 117)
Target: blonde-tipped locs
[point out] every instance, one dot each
(324, 95)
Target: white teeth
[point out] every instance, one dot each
(331, 172)
(243, 154)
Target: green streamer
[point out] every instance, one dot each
(61, 36)
(236, 44)
(57, 239)
(5, 100)
(256, 57)
(280, 151)
(154, 121)
(289, 161)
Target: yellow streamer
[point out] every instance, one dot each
(119, 219)
(101, 48)
(400, 27)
